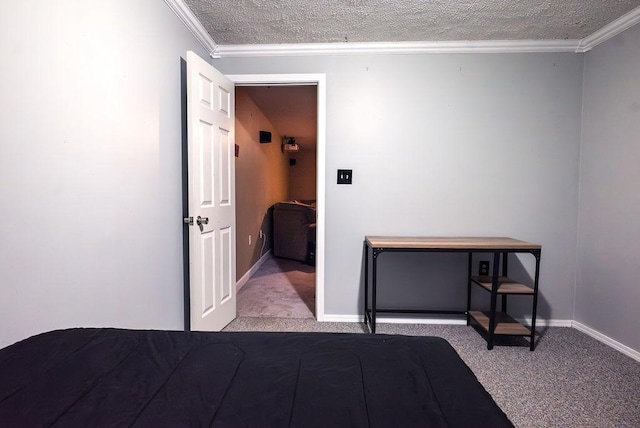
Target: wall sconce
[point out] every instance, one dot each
(289, 144)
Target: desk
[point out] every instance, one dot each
(498, 283)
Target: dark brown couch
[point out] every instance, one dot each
(294, 231)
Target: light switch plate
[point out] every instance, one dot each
(345, 176)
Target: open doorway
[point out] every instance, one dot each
(280, 190)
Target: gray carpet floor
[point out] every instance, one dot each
(570, 380)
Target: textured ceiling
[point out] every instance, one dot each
(233, 22)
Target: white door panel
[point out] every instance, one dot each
(211, 164)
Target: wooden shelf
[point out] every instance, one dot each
(505, 285)
(504, 323)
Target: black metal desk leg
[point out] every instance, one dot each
(366, 281)
(505, 273)
(469, 287)
(535, 302)
(494, 295)
(374, 280)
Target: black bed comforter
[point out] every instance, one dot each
(111, 377)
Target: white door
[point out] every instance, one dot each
(211, 164)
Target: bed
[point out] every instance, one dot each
(114, 377)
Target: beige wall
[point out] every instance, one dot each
(302, 176)
(261, 180)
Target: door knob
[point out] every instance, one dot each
(202, 220)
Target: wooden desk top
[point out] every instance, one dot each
(450, 243)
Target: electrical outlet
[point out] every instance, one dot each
(484, 268)
(345, 176)
(249, 239)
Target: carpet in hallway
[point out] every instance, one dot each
(280, 288)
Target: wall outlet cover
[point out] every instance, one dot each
(345, 176)
(483, 269)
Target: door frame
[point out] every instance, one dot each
(318, 80)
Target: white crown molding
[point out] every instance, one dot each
(610, 30)
(193, 24)
(472, 46)
(466, 46)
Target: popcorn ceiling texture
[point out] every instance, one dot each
(231, 22)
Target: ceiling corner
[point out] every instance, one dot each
(193, 24)
(610, 30)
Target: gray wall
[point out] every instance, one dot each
(608, 291)
(446, 145)
(90, 165)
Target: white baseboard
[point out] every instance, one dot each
(445, 321)
(450, 321)
(394, 320)
(607, 340)
(242, 281)
(342, 318)
(546, 323)
(539, 323)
